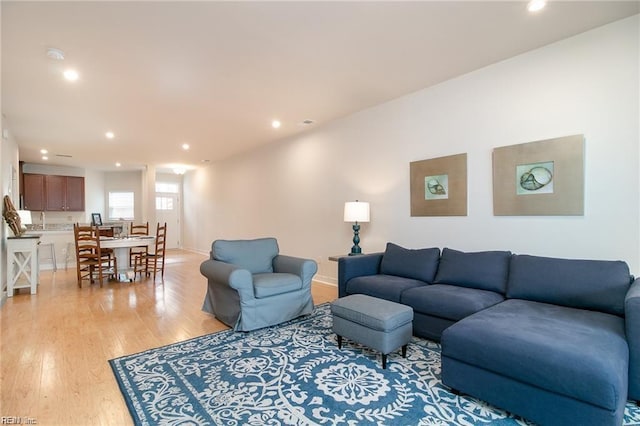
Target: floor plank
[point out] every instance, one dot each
(55, 345)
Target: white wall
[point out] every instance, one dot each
(124, 181)
(295, 190)
(94, 194)
(9, 182)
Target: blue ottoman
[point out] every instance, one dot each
(377, 323)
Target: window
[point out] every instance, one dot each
(164, 203)
(120, 205)
(169, 187)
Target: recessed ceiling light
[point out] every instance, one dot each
(44, 157)
(44, 151)
(276, 124)
(185, 146)
(536, 5)
(71, 75)
(118, 164)
(109, 135)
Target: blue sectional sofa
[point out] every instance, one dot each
(556, 341)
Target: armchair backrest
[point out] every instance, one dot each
(254, 255)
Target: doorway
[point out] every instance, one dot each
(167, 210)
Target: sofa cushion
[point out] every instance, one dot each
(388, 287)
(449, 301)
(588, 284)
(419, 264)
(254, 255)
(486, 270)
(573, 352)
(270, 284)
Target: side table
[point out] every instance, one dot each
(22, 263)
(335, 257)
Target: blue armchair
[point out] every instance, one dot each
(250, 285)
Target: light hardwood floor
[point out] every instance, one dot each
(55, 345)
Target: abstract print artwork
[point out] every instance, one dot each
(436, 187)
(536, 178)
(539, 178)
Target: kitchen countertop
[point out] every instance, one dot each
(65, 228)
(49, 231)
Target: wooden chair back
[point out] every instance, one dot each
(158, 254)
(89, 257)
(141, 229)
(153, 262)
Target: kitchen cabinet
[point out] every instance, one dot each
(75, 194)
(53, 193)
(33, 192)
(64, 193)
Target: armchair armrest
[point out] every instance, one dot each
(356, 266)
(632, 326)
(221, 273)
(304, 268)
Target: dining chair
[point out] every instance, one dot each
(90, 260)
(108, 253)
(141, 229)
(149, 263)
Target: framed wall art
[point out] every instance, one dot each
(96, 219)
(539, 178)
(439, 186)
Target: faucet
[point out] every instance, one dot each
(42, 219)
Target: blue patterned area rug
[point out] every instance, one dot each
(294, 374)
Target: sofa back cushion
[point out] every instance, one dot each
(419, 264)
(484, 270)
(254, 255)
(599, 285)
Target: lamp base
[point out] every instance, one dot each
(356, 250)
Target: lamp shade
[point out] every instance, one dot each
(25, 217)
(356, 211)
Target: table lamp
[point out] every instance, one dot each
(25, 218)
(356, 211)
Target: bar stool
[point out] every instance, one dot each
(71, 249)
(51, 248)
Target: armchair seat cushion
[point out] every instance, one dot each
(271, 284)
(388, 287)
(449, 301)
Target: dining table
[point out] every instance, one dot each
(121, 246)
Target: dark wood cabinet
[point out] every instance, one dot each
(53, 193)
(54, 190)
(33, 192)
(75, 194)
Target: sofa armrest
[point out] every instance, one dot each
(304, 268)
(632, 325)
(221, 273)
(356, 266)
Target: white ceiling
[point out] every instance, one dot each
(214, 74)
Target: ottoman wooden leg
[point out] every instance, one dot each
(339, 342)
(384, 361)
(404, 351)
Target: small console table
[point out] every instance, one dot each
(22, 263)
